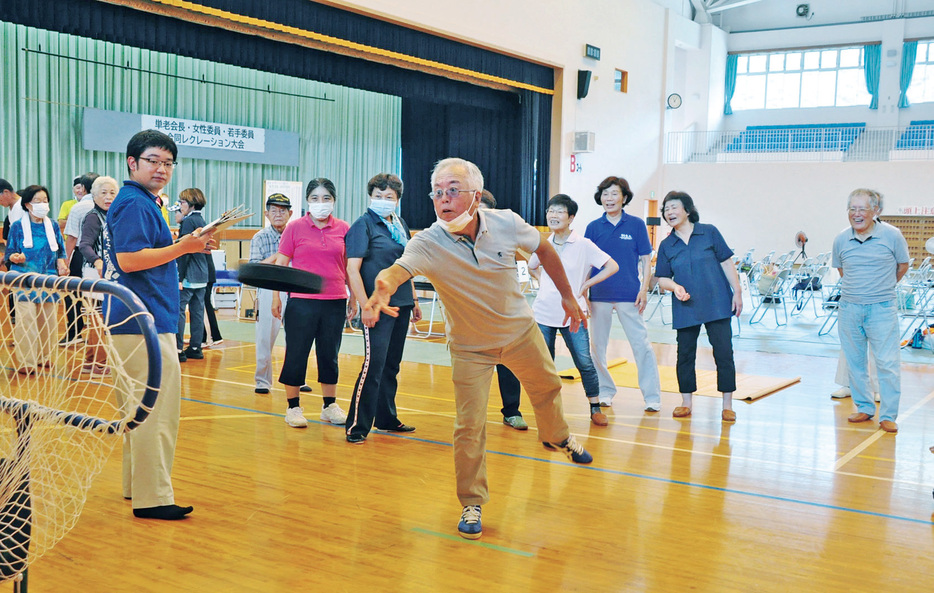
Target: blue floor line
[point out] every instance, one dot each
(617, 472)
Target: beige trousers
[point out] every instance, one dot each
(35, 332)
(528, 358)
(148, 451)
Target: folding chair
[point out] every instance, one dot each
(422, 284)
(773, 294)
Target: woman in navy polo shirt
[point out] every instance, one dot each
(696, 265)
(374, 242)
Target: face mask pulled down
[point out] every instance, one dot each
(460, 221)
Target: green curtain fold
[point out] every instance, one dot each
(347, 140)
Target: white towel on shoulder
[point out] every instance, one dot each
(49, 233)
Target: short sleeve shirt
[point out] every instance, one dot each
(320, 251)
(869, 267)
(476, 281)
(264, 243)
(67, 205)
(626, 241)
(39, 258)
(369, 239)
(75, 218)
(578, 257)
(134, 222)
(696, 267)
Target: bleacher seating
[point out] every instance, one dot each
(797, 138)
(919, 135)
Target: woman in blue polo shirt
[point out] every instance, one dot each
(374, 242)
(695, 264)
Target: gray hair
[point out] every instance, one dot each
(471, 173)
(875, 198)
(99, 184)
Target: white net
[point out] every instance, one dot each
(60, 415)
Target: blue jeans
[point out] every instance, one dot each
(579, 345)
(876, 325)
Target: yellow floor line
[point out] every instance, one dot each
(879, 434)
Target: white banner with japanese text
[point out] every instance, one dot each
(202, 134)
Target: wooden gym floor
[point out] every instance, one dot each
(790, 498)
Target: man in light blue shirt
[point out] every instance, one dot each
(871, 256)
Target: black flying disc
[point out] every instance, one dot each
(279, 278)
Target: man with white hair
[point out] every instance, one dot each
(469, 255)
(871, 256)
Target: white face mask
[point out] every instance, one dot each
(459, 222)
(383, 208)
(40, 210)
(320, 210)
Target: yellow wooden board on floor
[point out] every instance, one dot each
(748, 387)
(575, 375)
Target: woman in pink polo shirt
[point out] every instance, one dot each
(314, 243)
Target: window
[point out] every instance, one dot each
(803, 78)
(921, 89)
(621, 81)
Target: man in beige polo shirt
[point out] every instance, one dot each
(469, 255)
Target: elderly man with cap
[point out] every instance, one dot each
(263, 249)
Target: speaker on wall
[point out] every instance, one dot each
(583, 83)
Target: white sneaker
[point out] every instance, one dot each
(653, 407)
(333, 414)
(842, 393)
(295, 418)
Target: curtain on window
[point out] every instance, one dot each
(872, 62)
(909, 53)
(730, 85)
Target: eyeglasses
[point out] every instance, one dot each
(169, 165)
(451, 193)
(556, 211)
(859, 210)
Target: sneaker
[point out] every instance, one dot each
(295, 418)
(261, 391)
(517, 422)
(572, 449)
(217, 341)
(653, 407)
(356, 439)
(94, 369)
(194, 353)
(842, 393)
(64, 342)
(182, 357)
(606, 404)
(469, 526)
(304, 389)
(333, 414)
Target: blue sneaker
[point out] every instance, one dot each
(572, 449)
(469, 526)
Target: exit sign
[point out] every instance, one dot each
(592, 51)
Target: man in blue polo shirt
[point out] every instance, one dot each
(140, 255)
(626, 240)
(871, 256)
